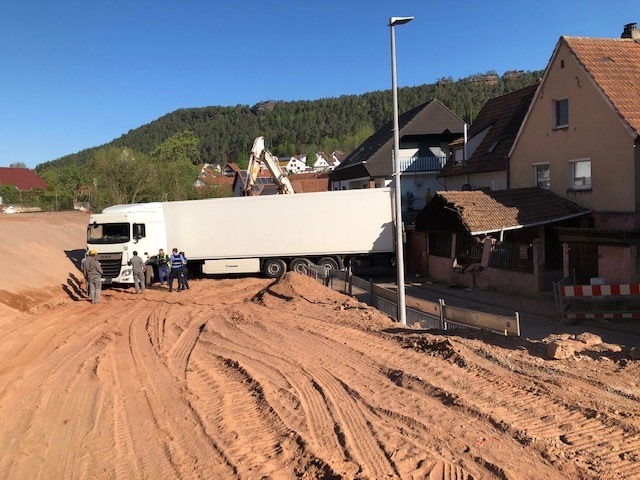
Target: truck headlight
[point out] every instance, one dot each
(126, 272)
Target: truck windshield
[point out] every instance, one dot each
(108, 233)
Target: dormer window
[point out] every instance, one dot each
(561, 113)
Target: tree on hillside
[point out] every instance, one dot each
(175, 161)
(18, 165)
(121, 176)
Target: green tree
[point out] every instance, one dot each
(121, 176)
(175, 162)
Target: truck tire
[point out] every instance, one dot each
(148, 275)
(274, 267)
(328, 263)
(299, 265)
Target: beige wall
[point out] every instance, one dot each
(491, 180)
(595, 132)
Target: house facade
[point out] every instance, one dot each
(425, 134)
(481, 161)
(581, 140)
(291, 165)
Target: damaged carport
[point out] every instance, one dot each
(503, 240)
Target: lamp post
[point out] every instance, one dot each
(402, 311)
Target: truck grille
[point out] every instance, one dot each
(110, 263)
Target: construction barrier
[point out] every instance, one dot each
(427, 314)
(607, 302)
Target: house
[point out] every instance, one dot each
(309, 182)
(323, 163)
(295, 164)
(425, 133)
(498, 232)
(580, 139)
(481, 162)
(21, 178)
(337, 158)
(211, 180)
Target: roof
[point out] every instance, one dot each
(309, 182)
(614, 65)
(431, 118)
(22, 178)
(502, 117)
(479, 212)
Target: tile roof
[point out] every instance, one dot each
(503, 116)
(431, 118)
(486, 212)
(614, 65)
(22, 178)
(309, 182)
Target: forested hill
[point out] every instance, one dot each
(300, 127)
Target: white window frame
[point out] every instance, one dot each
(556, 110)
(583, 182)
(534, 173)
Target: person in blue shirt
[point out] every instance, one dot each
(177, 262)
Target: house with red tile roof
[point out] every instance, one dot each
(580, 139)
(21, 178)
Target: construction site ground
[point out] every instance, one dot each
(248, 377)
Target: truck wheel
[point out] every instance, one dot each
(148, 275)
(274, 267)
(328, 263)
(299, 265)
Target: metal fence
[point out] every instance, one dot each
(422, 164)
(430, 315)
(512, 256)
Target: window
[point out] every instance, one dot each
(561, 113)
(580, 174)
(541, 177)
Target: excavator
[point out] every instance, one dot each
(260, 154)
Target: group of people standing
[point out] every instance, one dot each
(172, 267)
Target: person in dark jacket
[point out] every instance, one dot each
(184, 277)
(177, 262)
(163, 267)
(94, 277)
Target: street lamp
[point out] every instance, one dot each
(402, 311)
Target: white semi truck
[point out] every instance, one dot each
(267, 234)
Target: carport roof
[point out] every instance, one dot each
(483, 212)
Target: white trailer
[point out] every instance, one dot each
(267, 234)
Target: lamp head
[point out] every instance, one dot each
(393, 21)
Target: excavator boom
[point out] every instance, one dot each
(260, 154)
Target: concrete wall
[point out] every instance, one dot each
(617, 264)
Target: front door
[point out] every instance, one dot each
(583, 259)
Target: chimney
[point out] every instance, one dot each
(631, 31)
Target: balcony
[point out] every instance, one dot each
(422, 164)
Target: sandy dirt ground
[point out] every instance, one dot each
(252, 378)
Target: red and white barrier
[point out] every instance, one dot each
(600, 290)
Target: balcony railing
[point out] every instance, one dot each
(422, 164)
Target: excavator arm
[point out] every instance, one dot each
(260, 154)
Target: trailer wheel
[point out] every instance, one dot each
(274, 267)
(299, 265)
(148, 275)
(328, 263)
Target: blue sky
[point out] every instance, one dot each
(77, 74)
